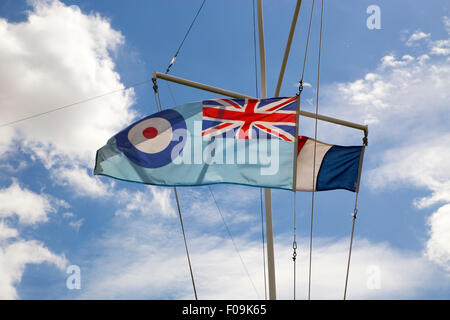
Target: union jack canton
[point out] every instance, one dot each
(250, 118)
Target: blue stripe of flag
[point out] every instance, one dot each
(339, 169)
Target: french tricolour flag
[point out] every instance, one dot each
(336, 167)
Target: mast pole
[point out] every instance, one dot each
(288, 47)
(267, 192)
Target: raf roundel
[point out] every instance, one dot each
(154, 141)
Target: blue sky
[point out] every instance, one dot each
(126, 237)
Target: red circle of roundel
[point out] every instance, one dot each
(150, 132)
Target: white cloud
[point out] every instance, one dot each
(199, 204)
(62, 56)
(68, 215)
(28, 206)
(154, 266)
(73, 223)
(391, 61)
(442, 47)
(446, 21)
(145, 257)
(424, 164)
(377, 271)
(7, 232)
(81, 181)
(13, 259)
(405, 101)
(418, 35)
(76, 224)
(154, 199)
(403, 98)
(7, 135)
(438, 245)
(10, 168)
(437, 47)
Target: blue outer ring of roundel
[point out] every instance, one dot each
(162, 158)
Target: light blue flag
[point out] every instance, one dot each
(240, 141)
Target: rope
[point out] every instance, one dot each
(185, 243)
(114, 91)
(171, 93)
(185, 36)
(315, 148)
(159, 108)
(178, 50)
(74, 104)
(300, 90)
(212, 194)
(355, 212)
(157, 98)
(294, 243)
(232, 240)
(307, 42)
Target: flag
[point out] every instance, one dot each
(238, 141)
(274, 117)
(332, 167)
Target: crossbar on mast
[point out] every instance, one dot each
(198, 85)
(201, 86)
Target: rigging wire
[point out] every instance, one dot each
(307, 41)
(185, 243)
(185, 36)
(294, 243)
(159, 108)
(158, 101)
(314, 157)
(178, 51)
(232, 240)
(212, 194)
(113, 91)
(75, 103)
(355, 212)
(210, 190)
(171, 92)
(300, 90)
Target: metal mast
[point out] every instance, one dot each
(267, 193)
